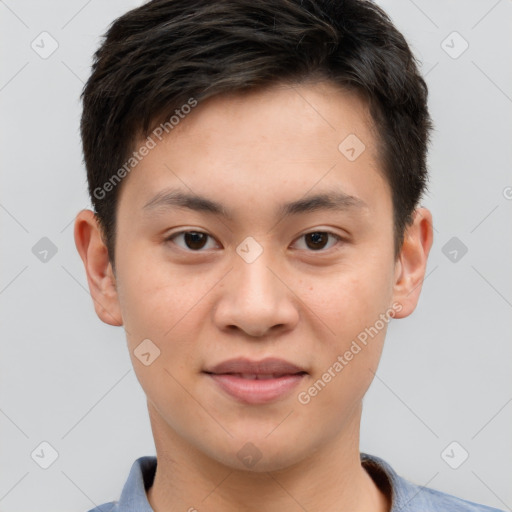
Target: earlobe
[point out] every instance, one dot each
(411, 265)
(100, 276)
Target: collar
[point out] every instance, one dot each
(133, 497)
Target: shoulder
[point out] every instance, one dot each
(407, 496)
(438, 500)
(133, 496)
(106, 507)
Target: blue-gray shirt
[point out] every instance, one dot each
(405, 496)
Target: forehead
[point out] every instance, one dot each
(267, 144)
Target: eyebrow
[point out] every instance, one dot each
(175, 198)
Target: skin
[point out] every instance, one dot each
(253, 152)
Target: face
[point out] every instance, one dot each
(257, 230)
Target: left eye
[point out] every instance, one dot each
(318, 240)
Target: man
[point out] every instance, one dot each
(255, 170)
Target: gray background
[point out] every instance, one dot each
(66, 378)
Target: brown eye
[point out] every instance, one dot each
(317, 240)
(195, 240)
(191, 240)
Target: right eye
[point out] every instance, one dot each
(191, 240)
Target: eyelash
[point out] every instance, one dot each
(329, 233)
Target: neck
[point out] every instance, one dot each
(331, 479)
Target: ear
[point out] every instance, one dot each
(100, 276)
(411, 264)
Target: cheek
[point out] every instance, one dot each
(351, 297)
(358, 309)
(155, 296)
(161, 305)
(168, 306)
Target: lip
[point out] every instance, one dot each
(265, 366)
(284, 376)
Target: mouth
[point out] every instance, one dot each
(256, 382)
(259, 376)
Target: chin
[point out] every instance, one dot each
(262, 455)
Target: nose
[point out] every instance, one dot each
(256, 299)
